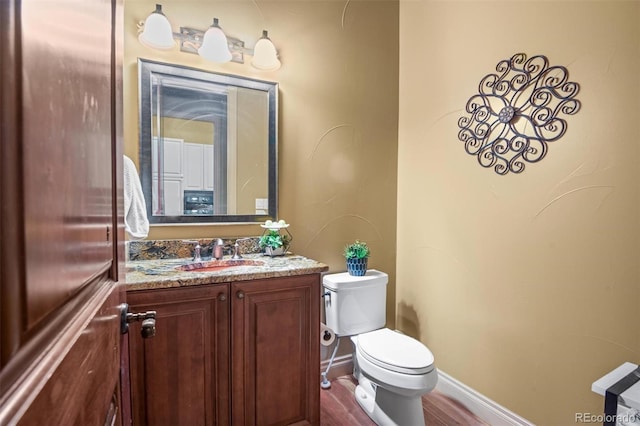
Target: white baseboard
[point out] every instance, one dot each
(486, 409)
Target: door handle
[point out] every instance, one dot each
(148, 321)
(240, 295)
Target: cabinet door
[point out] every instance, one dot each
(172, 188)
(181, 375)
(173, 197)
(276, 351)
(193, 166)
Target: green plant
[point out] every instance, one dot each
(357, 250)
(274, 239)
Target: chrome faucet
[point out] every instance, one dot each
(217, 251)
(236, 248)
(196, 250)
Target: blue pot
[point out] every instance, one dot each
(357, 267)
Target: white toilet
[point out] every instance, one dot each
(393, 370)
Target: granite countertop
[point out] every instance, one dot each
(165, 273)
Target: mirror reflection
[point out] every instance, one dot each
(207, 145)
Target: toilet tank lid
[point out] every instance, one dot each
(344, 281)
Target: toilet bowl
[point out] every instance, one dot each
(393, 370)
(396, 361)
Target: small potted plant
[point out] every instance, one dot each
(274, 243)
(357, 255)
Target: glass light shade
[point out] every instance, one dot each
(215, 46)
(265, 56)
(157, 31)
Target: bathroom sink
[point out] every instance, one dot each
(216, 265)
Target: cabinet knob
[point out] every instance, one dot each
(222, 297)
(240, 295)
(148, 328)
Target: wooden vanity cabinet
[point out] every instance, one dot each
(243, 353)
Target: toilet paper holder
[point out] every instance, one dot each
(327, 335)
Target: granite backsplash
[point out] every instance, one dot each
(180, 249)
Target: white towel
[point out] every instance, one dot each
(135, 210)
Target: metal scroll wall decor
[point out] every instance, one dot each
(518, 111)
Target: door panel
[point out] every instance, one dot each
(66, 147)
(82, 388)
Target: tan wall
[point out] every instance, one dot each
(338, 116)
(525, 287)
(191, 131)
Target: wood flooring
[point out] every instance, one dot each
(338, 407)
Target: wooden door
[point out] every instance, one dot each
(181, 375)
(275, 351)
(61, 254)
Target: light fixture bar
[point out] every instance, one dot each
(212, 44)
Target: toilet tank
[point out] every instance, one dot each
(355, 305)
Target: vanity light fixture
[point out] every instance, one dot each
(157, 31)
(265, 56)
(213, 45)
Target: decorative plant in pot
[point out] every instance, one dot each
(274, 243)
(357, 255)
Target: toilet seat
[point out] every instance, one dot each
(395, 351)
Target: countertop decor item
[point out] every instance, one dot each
(357, 256)
(517, 112)
(273, 240)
